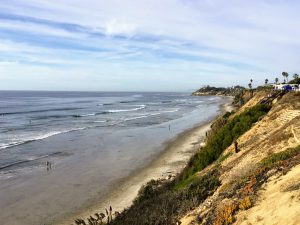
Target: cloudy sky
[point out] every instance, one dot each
(146, 45)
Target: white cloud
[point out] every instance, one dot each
(118, 27)
(230, 38)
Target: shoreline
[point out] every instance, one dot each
(172, 159)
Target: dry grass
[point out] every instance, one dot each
(244, 191)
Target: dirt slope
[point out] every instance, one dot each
(276, 132)
(279, 202)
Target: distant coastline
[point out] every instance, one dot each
(219, 91)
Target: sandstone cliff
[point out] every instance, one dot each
(272, 192)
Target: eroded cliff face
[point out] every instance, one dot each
(278, 131)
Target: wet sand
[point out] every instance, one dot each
(171, 161)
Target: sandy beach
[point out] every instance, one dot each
(170, 162)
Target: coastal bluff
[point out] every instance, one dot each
(260, 184)
(246, 172)
(219, 91)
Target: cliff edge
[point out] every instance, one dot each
(260, 183)
(247, 172)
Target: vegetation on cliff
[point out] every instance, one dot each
(161, 204)
(242, 194)
(164, 202)
(221, 139)
(202, 182)
(208, 90)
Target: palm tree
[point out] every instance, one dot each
(285, 74)
(276, 80)
(250, 85)
(295, 76)
(266, 81)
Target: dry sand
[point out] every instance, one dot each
(279, 202)
(173, 159)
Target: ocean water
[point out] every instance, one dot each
(27, 117)
(93, 140)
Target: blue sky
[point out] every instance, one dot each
(146, 45)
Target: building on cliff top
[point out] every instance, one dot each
(286, 87)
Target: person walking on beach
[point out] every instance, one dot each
(169, 127)
(49, 166)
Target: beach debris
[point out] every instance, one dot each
(93, 221)
(98, 216)
(97, 220)
(102, 215)
(80, 222)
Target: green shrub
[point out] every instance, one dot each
(148, 191)
(163, 205)
(227, 114)
(222, 139)
(280, 156)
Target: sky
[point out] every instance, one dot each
(146, 45)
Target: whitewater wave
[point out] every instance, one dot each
(155, 114)
(126, 110)
(85, 115)
(41, 137)
(171, 111)
(135, 118)
(100, 121)
(137, 96)
(40, 111)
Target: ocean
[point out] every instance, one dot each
(91, 139)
